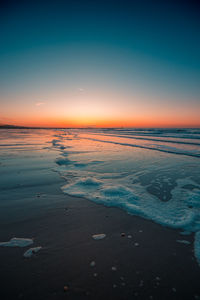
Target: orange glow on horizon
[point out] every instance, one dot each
(98, 109)
(102, 123)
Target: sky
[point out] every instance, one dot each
(83, 63)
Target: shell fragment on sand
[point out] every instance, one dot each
(99, 236)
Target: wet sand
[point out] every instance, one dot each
(137, 259)
(149, 265)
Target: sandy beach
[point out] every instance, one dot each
(136, 260)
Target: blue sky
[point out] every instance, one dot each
(145, 50)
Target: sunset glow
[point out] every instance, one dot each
(126, 71)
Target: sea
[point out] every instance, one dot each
(151, 173)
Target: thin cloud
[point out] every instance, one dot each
(39, 103)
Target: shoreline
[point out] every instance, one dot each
(137, 258)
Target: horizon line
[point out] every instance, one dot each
(7, 126)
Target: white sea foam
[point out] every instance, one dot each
(174, 213)
(31, 251)
(116, 180)
(82, 187)
(17, 242)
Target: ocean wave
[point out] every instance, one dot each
(161, 148)
(161, 188)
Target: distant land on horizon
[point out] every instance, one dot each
(8, 126)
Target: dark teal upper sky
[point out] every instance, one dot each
(142, 47)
